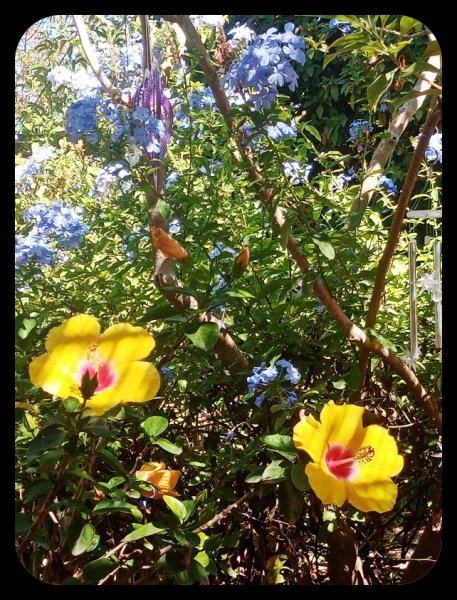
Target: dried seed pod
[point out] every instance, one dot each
(167, 245)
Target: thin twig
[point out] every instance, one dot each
(428, 129)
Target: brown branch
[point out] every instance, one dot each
(45, 506)
(396, 128)
(92, 59)
(427, 131)
(354, 333)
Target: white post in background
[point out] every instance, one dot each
(413, 301)
(438, 305)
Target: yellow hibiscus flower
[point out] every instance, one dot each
(76, 349)
(350, 462)
(162, 479)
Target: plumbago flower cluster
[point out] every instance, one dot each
(263, 375)
(24, 173)
(266, 65)
(57, 222)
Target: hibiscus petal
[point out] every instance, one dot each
(341, 423)
(81, 329)
(379, 496)
(326, 487)
(138, 382)
(386, 459)
(308, 437)
(123, 343)
(55, 372)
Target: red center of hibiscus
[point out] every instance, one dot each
(341, 462)
(94, 364)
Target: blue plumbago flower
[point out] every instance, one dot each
(34, 248)
(266, 65)
(292, 399)
(281, 130)
(261, 375)
(108, 175)
(174, 226)
(117, 119)
(358, 129)
(347, 177)
(59, 220)
(219, 249)
(260, 400)
(82, 81)
(434, 149)
(296, 172)
(201, 98)
(24, 173)
(212, 20)
(230, 435)
(167, 373)
(292, 375)
(241, 33)
(320, 307)
(221, 282)
(343, 26)
(387, 183)
(132, 54)
(81, 119)
(172, 178)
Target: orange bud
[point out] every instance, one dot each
(160, 477)
(167, 245)
(243, 257)
(240, 263)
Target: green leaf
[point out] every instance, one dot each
(407, 23)
(187, 538)
(154, 426)
(168, 446)
(87, 540)
(48, 437)
(379, 87)
(72, 405)
(281, 444)
(255, 476)
(98, 569)
(325, 247)
(299, 478)
(176, 507)
(312, 130)
(22, 522)
(158, 314)
(273, 472)
(291, 501)
(432, 49)
(142, 532)
(24, 326)
(381, 339)
(353, 378)
(415, 94)
(235, 292)
(285, 232)
(97, 426)
(419, 67)
(186, 291)
(109, 458)
(116, 506)
(198, 572)
(204, 336)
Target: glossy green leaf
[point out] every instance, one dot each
(204, 336)
(299, 477)
(325, 247)
(273, 472)
(87, 540)
(154, 426)
(379, 87)
(48, 437)
(142, 532)
(176, 507)
(98, 569)
(168, 446)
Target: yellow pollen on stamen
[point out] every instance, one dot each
(365, 455)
